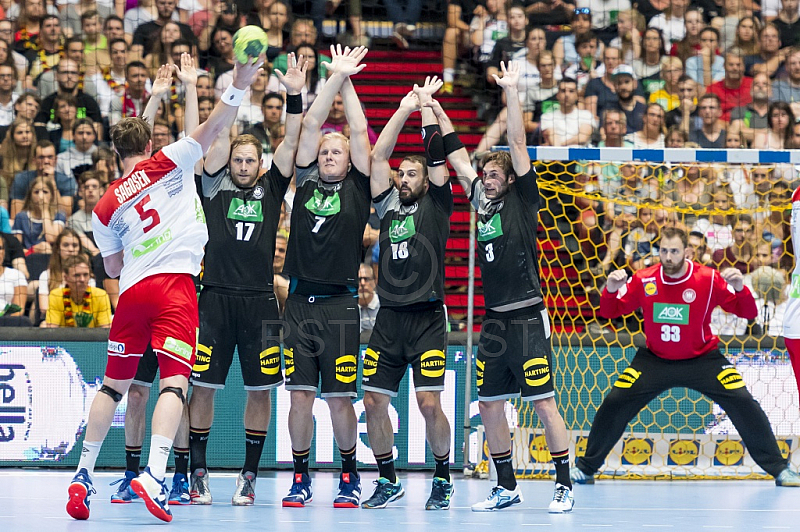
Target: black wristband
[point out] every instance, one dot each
(452, 143)
(434, 147)
(294, 104)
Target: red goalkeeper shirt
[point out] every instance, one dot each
(677, 311)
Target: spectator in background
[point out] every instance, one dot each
(775, 226)
(146, 35)
(368, 301)
(222, 57)
(205, 87)
(746, 39)
(40, 221)
(90, 189)
(303, 32)
(779, 131)
(134, 97)
(8, 94)
(771, 58)
(543, 98)
(78, 158)
(114, 28)
(788, 22)
(600, 93)
(457, 37)
(697, 248)
(249, 112)
(652, 133)
(711, 134)
(16, 151)
(108, 82)
(271, 110)
(67, 76)
(647, 68)
(545, 13)
(277, 32)
(507, 47)
(567, 125)
(73, 12)
(315, 79)
(686, 116)
(734, 90)
(769, 289)
(162, 134)
(630, 30)
(44, 168)
(671, 21)
(13, 292)
(676, 138)
(750, 119)
(628, 101)
(733, 11)
(95, 43)
(161, 52)
(7, 36)
(667, 96)
(486, 29)
(690, 45)
(687, 189)
(78, 304)
(770, 9)
(44, 53)
(605, 15)
(641, 247)
(144, 11)
(405, 15)
(740, 252)
(588, 66)
(788, 90)
(796, 137)
(73, 49)
(564, 49)
(104, 164)
(718, 228)
(707, 66)
(337, 121)
(205, 105)
(67, 244)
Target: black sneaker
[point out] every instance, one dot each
(385, 492)
(440, 495)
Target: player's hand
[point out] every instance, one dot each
(410, 102)
(187, 73)
(295, 78)
(616, 280)
(347, 62)
(510, 77)
(245, 75)
(436, 107)
(734, 278)
(163, 81)
(429, 88)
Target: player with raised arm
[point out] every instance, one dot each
(514, 352)
(242, 211)
(411, 326)
(676, 298)
(321, 330)
(791, 321)
(150, 229)
(139, 390)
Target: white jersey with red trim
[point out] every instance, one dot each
(155, 216)
(677, 311)
(791, 320)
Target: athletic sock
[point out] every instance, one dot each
(300, 460)
(89, 455)
(133, 456)
(198, 441)
(181, 460)
(253, 446)
(442, 466)
(386, 466)
(449, 75)
(505, 470)
(349, 464)
(561, 461)
(160, 447)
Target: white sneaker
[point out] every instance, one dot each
(245, 493)
(498, 499)
(563, 500)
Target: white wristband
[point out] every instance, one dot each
(233, 96)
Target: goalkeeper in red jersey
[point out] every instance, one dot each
(676, 298)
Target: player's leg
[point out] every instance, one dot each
(179, 494)
(127, 342)
(338, 364)
(258, 338)
(641, 382)
(216, 343)
(714, 376)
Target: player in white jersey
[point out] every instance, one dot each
(151, 231)
(791, 320)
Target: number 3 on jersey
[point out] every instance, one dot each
(147, 214)
(670, 333)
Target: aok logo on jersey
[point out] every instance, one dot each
(669, 313)
(491, 229)
(245, 211)
(322, 205)
(402, 230)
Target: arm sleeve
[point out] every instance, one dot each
(387, 200)
(740, 303)
(307, 173)
(278, 183)
(185, 153)
(442, 196)
(527, 186)
(107, 242)
(210, 183)
(623, 301)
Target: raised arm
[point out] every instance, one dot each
(294, 80)
(515, 126)
(459, 158)
(343, 64)
(380, 171)
(187, 74)
(160, 87)
(437, 173)
(359, 134)
(225, 111)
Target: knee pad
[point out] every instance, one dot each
(111, 392)
(176, 391)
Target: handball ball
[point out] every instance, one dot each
(249, 42)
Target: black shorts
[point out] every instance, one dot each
(230, 320)
(401, 338)
(147, 368)
(514, 355)
(321, 340)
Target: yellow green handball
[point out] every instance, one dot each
(248, 43)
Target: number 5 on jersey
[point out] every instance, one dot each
(147, 214)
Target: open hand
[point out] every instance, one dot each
(187, 73)
(347, 62)
(295, 78)
(245, 74)
(429, 88)
(163, 81)
(510, 77)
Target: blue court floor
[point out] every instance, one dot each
(33, 500)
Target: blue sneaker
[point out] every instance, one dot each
(154, 494)
(441, 492)
(385, 492)
(179, 494)
(124, 494)
(498, 499)
(79, 491)
(349, 491)
(299, 493)
(579, 477)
